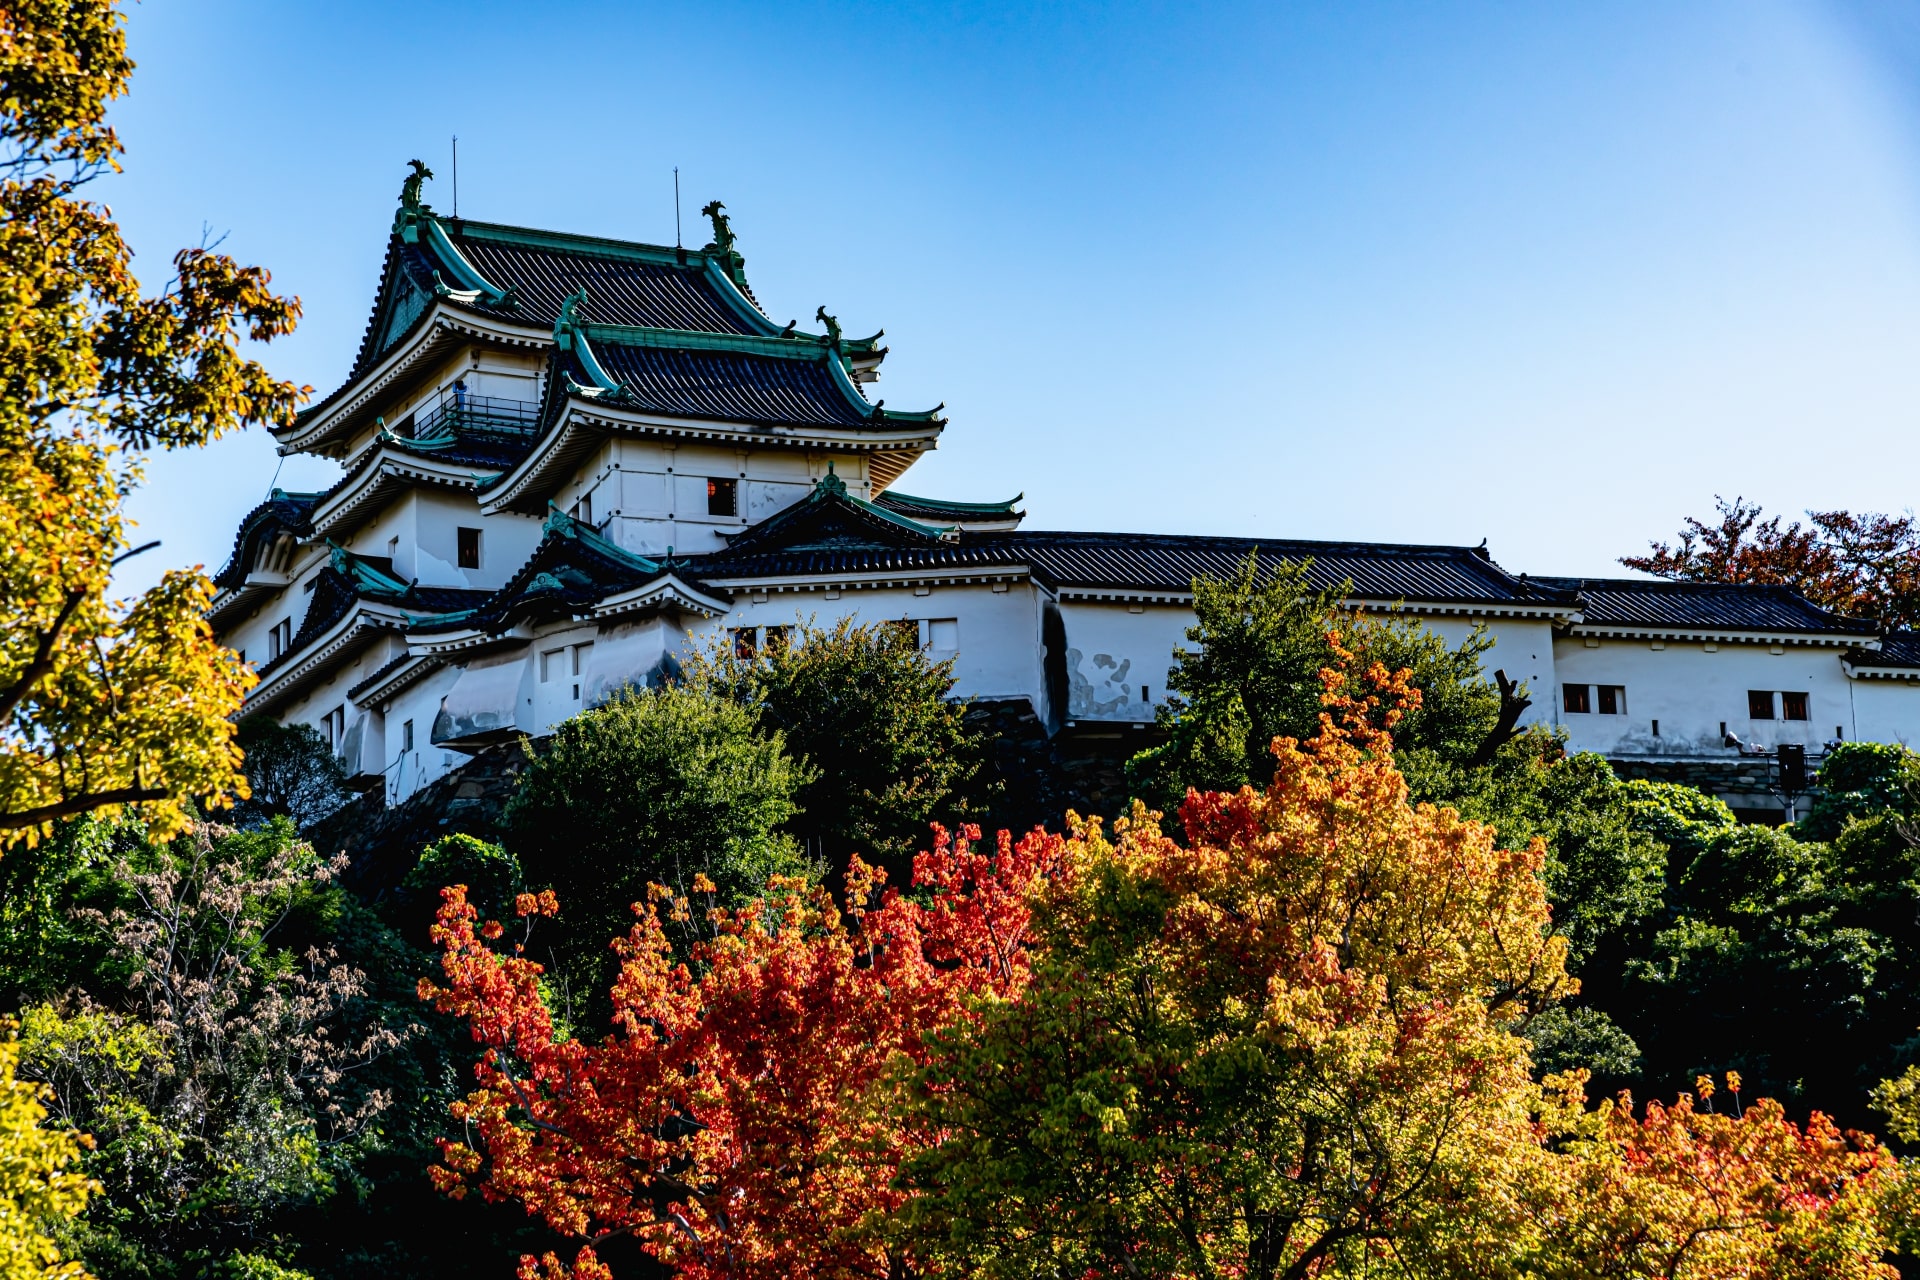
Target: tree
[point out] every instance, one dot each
(731, 1121)
(104, 704)
(1264, 635)
(652, 787)
(1684, 1194)
(217, 1081)
(865, 708)
(290, 771)
(1280, 1050)
(1864, 566)
(40, 1189)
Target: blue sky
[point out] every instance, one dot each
(1549, 275)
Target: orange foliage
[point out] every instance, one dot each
(726, 1121)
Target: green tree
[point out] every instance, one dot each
(654, 787)
(866, 709)
(103, 704)
(290, 771)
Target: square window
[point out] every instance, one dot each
(1577, 698)
(1613, 700)
(905, 629)
(778, 638)
(743, 645)
(1759, 704)
(469, 548)
(1793, 706)
(722, 497)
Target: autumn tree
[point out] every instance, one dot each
(732, 1119)
(104, 702)
(1864, 566)
(1283, 1048)
(41, 1189)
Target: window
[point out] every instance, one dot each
(1613, 700)
(580, 653)
(280, 638)
(743, 642)
(1656, 728)
(1759, 704)
(906, 628)
(243, 657)
(777, 638)
(1793, 706)
(1576, 698)
(334, 725)
(406, 735)
(469, 548)
(723, 497)
(550, 664)
(583, 510)
(405, 429)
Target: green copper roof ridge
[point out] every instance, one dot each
(450, 256)
(559, 523)
(736, 298)
(797, 347)
(364, 576)
(948, 505)
(428, 619)
(660, 255)
(832, 486)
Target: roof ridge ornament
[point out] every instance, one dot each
(722, 243)
(832, 323)
(830, 483)
(570, 334)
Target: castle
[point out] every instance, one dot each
(566, 459)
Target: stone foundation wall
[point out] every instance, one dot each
(1745, 785)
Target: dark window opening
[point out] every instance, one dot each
(722, 497)
(1793, 706)
(469, 548)
(1759, 704)
(1839, 730)
(405, 429)
(1145, 695)
(1613, 700)
(1656, 728)
(1575, 698)
(743, 646)
(777, 638)
(406, 735)
(907, 629)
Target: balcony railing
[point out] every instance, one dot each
(453, 413)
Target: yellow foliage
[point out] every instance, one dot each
(38, 1185)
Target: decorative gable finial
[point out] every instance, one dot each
(831, 483)
(833, 326)
(722, 243)
(567, 323)
(410, 189)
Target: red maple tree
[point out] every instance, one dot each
(727, 1122)
(1864, 566)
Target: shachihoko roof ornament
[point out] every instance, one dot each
(721, 247)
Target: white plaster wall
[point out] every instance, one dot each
(1691, 690)
(1886, 711)
(649, 496)
(408, 771)
(420, 531)
(1115, 649)
(999, 652)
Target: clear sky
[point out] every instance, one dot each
(1550, 275)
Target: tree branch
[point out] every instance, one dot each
(42, 663)
(1506, 728)
(79, 804)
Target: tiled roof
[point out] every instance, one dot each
(1162, 563)
(940, 512)
(624, 287)
(1635, 602)
(732, 385)
(283, 512)
(573, 568)
(1901, 649)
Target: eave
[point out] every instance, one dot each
(255, 588)
(879, 580)
(392, 680)
(393, 471)
(440, 330)
(585, 423)
(360, 627)
(669, 593)
(1720, 635)
(1097, 594)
